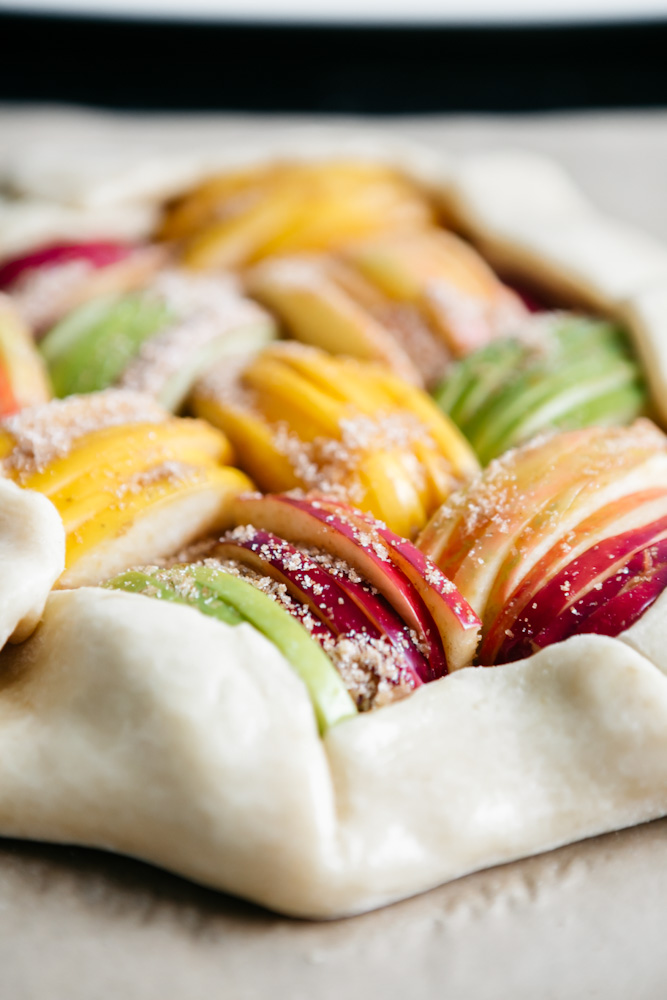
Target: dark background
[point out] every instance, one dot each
(236, 67)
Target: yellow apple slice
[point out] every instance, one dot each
(156, 521)
(252, 438)
(459, 293)
(126, 447)
(316, 310)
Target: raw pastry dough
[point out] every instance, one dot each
(178, 739)
(32, 557)
(155, 731)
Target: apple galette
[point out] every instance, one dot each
(354, 507)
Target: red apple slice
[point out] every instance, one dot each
(630, 513)
(304, 578)
(622, 598)
(578, 590)
(636, 597)
(345, 606)
(310, 522)
(456, 621)
(100, 253)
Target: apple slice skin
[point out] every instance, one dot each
(138, 582)
(344, 606)
(626, 607)
(459, 626)
(593, 535)
(311, 522)
(556, 616)
(98, 254)
(309, 582)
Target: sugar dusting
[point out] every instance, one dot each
(46, 432)
(209, 308)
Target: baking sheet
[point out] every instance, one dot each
(584, 921)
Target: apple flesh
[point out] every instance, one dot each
(567, 372)
(646, 581)
(92, 346)
(457, 623)
(630, 516)
(488, 538)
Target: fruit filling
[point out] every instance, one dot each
(562, 535)
(155, 341)
(125, 476)
(300, 418)
(561, 371)
(531, 477)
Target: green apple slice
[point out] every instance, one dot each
(535, 403)
(573, 372)
(233, 600)
(473, 380)
(138, 582)
(92, 346)
(168, 370)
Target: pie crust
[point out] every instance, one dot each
(154, 731)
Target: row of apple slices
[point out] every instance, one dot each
(299, 417)
(117, 316)
(566, 534)
(357, 580)
(130, 481)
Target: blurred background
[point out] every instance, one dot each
(340, 56)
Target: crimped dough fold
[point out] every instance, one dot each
(32, 557)
(149, 729)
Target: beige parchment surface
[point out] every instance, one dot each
(585, 921)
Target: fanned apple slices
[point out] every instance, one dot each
(236, 218)
(299, 418)
(566, 534)
(566, 372)
(49, 282)
(131, 483)
(157, 340)
(411, 300)
(387, 618)
(23, 378)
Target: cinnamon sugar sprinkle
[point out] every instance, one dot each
(167, 472)
(331, 464)
(46, 432)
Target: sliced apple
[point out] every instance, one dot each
(316, 310)
(569, 372)
(463, 298)
(627, 515)
(647, 578)
(159, 518)
(584, 585)
(99, 253)
(489, 537)
(89, 350)
(346, 606)
(310, 522)
(457, 623)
